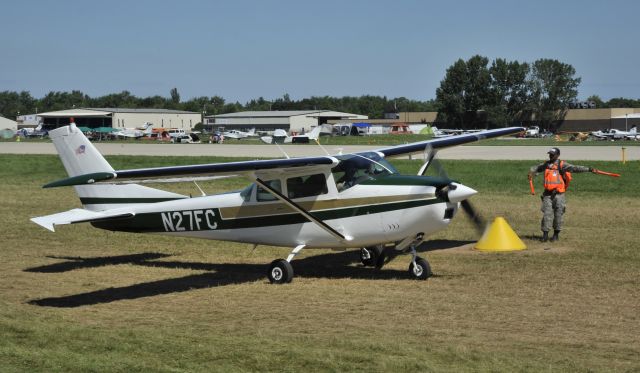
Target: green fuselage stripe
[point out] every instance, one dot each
(209, 218)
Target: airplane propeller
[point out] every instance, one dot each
(430, 160)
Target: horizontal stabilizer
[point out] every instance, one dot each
(77, 216)
(82, 179)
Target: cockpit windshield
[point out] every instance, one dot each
(354, 169)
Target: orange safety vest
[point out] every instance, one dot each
(553, 178)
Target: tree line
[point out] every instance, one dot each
(473, 94)
(13, 104)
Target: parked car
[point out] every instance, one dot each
(176, 132)
(189, 138)
(533, 131)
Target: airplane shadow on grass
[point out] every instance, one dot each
(332, 265)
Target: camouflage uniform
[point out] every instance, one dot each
(553, 204)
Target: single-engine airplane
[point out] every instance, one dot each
(356, 200)
(136, 133)
(238, 135)
(616, 134)
(282, 136)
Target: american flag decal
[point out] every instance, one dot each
(80, 149)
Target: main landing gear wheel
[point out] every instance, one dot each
(421, 270)
(280, 272)
(369, 256)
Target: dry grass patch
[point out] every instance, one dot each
(84, 299)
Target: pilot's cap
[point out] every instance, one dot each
(554, 151)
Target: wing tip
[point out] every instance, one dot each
(44, 223)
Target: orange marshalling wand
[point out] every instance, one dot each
(605, 173)
(531, 186)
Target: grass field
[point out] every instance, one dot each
(83, 299)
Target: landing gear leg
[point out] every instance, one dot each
(419, 267)
(280, 270)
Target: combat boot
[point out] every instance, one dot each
(545, 236)
(556, 236)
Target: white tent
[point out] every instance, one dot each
(8, 124)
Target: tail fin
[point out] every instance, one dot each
(148, 128)
(315, 133)
(80, 157)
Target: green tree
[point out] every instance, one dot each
(623, 103)
(553, 88)
(465, 89)
(13, 104)
(175, 96)
(509, 92)
(123, 99)
(598, 101)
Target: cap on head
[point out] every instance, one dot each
(554, 151)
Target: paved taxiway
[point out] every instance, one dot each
(525, 152)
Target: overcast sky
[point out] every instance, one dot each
(243, 49)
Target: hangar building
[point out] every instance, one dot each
(415, 120)
(598, 119)
(266, 121)
(121, 118)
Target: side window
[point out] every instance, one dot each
(264, 195)
(307, 186)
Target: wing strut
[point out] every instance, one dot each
(302, 211)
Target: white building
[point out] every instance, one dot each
(121, 118)
(8, 124)
(29, 120)
(265, 121)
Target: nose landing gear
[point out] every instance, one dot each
(376, 256)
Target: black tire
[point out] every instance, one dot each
(280, 272)
(369, 255)
(422, 269)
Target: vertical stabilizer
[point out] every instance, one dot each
(77, 153)
(315, 133)
(79, 157)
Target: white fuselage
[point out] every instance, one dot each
(390, 213)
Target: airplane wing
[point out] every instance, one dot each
(202, 171)
(77, 216)
(197, 172)
(446, 142)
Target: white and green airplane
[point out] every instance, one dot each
(356, 200)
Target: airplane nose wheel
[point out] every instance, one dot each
(420, 269)
(280, 272)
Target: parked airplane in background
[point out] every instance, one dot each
(281, 136)
(135, 133)
(33, 132)
(356, 200)
(616, 134)
(438, 133)
(235, 134)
